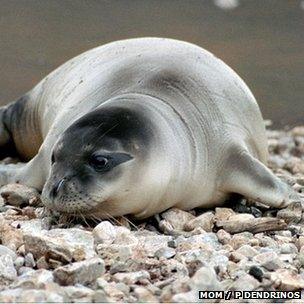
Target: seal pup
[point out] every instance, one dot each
(138, 126)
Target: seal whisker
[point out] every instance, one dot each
(109, 130)
(113, 218)
(130, 222)
(103, 216)
(84, 219)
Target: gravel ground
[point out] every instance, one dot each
(168, 258)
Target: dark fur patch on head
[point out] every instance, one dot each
(103, 127)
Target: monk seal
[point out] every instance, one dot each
(138, 126)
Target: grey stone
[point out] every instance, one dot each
(301, 259)
(104, 233)
(10, 295)
(144, 295)
(291, 214)
(287, 248)
(287, 280)
(177, 218)
(31, 226)
(25, 270)
(269, 260)
(210, 239)
(247, 251)
(61, 244)
(78, 292)
(185, 297)
(151, 242)
(223, 236)
(131, 277)
(205, 221)
(29, 260)
(245, 283)
(100, 296)
(19, 262)
(7, 268)
(205, 279)
(7, 251)
(165, 252)
(83, 272)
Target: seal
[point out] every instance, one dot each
(138, 126)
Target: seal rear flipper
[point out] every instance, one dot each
(7, 146)
(251, 178)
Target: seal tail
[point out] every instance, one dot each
(251, 178)
(20, 130)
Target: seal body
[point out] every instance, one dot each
(185, 131)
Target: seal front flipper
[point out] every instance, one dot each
(251, 178)
(31, 174)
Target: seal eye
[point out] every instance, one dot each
(99, 162)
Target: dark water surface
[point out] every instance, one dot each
(263, 40)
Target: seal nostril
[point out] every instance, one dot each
(57, 188)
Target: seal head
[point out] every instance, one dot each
(95, 164)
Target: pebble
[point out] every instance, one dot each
(7, 268)
(205, 221)
(287, 280)
(223, 236)
(172, 244)
(288, 248)
(177, 218)
(301, 259)
(83, 272)
(223, 214)
(237, 257)
(10, 237)
(143, 295)
(19, 262)
(131, 277)
(100, 296)
(245, 282)
(165, 252)
(247, 251)
(7, 251)
(61, 244)
(79, 293)
(205, 279)
(23, 270)
(29, 260)
(104, 233)
(291, 214)
(256, 272)
(268, 260)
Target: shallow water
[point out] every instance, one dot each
(262, 40)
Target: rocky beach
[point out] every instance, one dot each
(242, 246)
